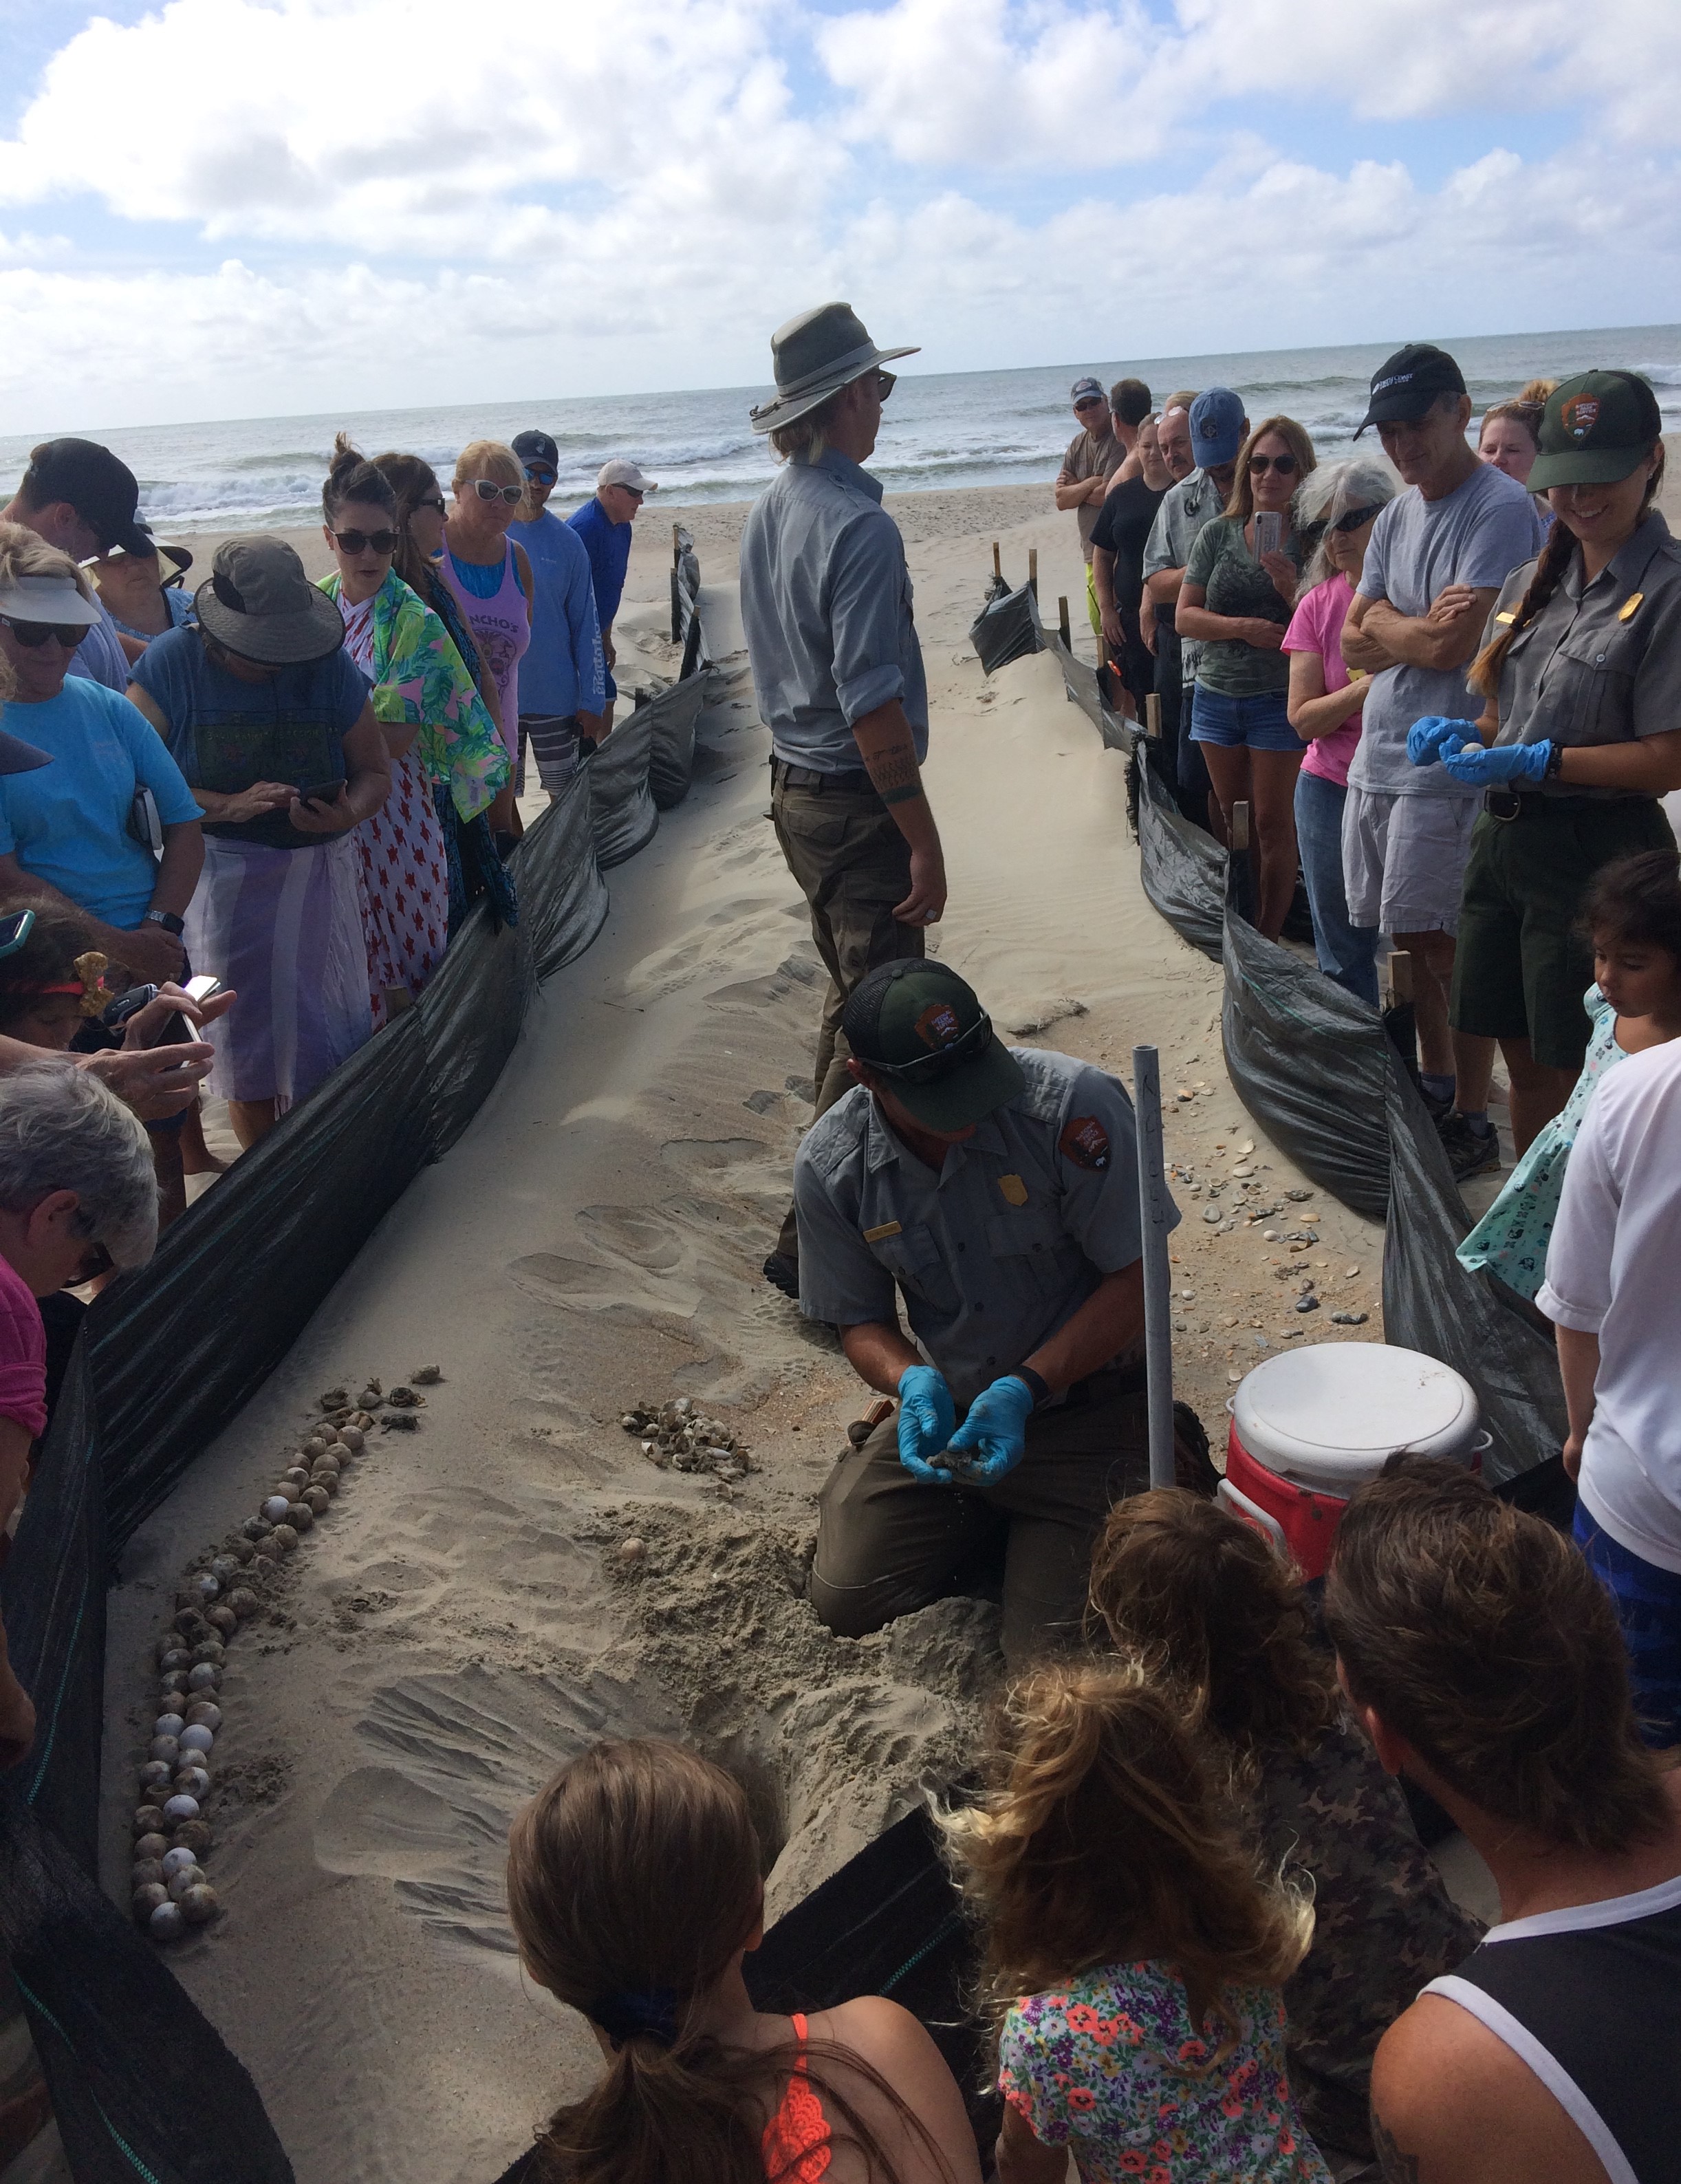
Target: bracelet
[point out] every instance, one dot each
(1555, 763)
(1038, 1389)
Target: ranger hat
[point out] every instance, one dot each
(259, 604)
(924, 1029)
(1596, 429)
(1404, 385)
(814, 356)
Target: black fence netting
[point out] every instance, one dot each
(142, 2086)
(1320, 1074)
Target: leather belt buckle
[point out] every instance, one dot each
(1505, 805)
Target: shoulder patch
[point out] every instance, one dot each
(1085, 1142)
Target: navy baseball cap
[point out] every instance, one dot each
(1084, 390)
(1405, 384)
(1217, 428)
(536, 447)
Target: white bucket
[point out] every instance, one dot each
(1327, 1417)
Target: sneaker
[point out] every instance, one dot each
(1470, 1152)
(1439, 1110)
(781, 1271)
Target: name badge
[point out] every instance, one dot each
(1508, 617)
(880, 1235)
(1627, 612)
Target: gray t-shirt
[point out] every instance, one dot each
(1476, 535)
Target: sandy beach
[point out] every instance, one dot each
(465, 1617)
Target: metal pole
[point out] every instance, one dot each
(1158, 1278)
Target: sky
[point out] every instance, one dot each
(253, 208)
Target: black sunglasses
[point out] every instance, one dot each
(1259, 464)
(34, 634)
(969, 1047)
(1356, 517)
(513, 494)
(434, 500)
(357, 541)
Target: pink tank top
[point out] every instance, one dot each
(797, 2144)
(501, 630)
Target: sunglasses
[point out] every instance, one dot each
(359, 542)
(885, 383)
(927, 1067)
(34, 634)
(540, 475)
(513, 494)
(1356, 517)
(1285, 464)
(1085, 401)
(436, 501)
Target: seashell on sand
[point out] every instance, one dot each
(152, 1845)
(166, 1922)
(203, 1676)
(426, 1376)
(149, 1895)
(198, 1906)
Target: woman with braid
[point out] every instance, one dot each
(1581, 670)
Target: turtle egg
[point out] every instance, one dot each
(176, 1861)
(198, 1906)
(350, 1437)
(172, 1654)
(204, 1713)
(224, 1620)
(206, 1586)
(257, 1528)
(297, 1477)
(147, 1872)
(203, 1676)
(164, 1747)
(153, 1845)
(317, 1445)
(285, 1537)
(189, 1621)
(183, 1877)
(192, 1782)
(174, 1680)
(166, 1922)
(180, 1807)
(210, 1652)
(148, 1820)
(263, 1566)
(274, 1509)
(155, 1774)
(300, 1516)
(168, 1724)
(197, 1739)
(223, 1566)
(335, 1399)
(315, 1500)
(326, 1483)
(242, 1553)
(150, 1896)
(243, 1601)
(327, 1466)
(193, 1836)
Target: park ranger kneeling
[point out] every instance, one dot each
(996, 1188)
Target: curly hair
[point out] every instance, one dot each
(1202, 1601)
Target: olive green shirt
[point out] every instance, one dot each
(1601, 662)
(1234, 583)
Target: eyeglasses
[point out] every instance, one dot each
(1259, 464)
(359, 542)
(968, 1047)
(513, 494)
(540, 475)
(634, 492)
(1356, 517)
(35, 634)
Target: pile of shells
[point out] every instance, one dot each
(677, 1436)
(172, 1835)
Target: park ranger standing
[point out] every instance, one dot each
(995, 1188)
(825, 604)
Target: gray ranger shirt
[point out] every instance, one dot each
(826, 602)
(1600, 663)
(996, 1252)
(1196, 500)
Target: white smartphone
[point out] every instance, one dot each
(202, 990)
(1269, 532)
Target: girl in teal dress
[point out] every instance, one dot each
(1634, 913)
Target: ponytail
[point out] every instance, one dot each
(1484, 677)
(352, 478)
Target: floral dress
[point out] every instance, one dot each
(1510, 1239)
(417, 675)
(1111, 2067)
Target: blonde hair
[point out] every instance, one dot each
(1294, 436)
(495, 460)
(807, 437)
(1103, 1840)
(24, 553)
(1182, 400)
(634, 1878)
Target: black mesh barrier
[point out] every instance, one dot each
(144, 2087)
(671, 718)
(1007, 627)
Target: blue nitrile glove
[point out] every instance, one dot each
(926, 1415)
(1425, 738)
(1479, 768)
(994, 1433)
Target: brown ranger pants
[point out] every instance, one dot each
(853, 866)
(888, 1544)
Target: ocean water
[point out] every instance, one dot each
(938, 429)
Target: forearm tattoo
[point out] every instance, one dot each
(896, 774)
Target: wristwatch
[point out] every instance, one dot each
(167, 919)
(1554, 763)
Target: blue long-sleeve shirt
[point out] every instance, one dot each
(565, 670)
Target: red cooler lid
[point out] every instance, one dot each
(1329, 1415)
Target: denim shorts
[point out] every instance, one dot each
(1259, 722)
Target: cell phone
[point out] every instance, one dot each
(202, 990)
(325, 792)
(15, 930)
(1269, 532)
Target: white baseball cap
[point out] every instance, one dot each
(621, 472)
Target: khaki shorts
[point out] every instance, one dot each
(1404, 859)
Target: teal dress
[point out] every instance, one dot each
(1510, 1239)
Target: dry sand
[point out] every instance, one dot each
(462, 1620)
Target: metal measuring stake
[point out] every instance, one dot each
(1152, 1217)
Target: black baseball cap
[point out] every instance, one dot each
(1403, 387)
(102, 490)
(536, 447)
(1594, 430)
(923, 1027)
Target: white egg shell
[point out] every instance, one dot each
(197, 1738)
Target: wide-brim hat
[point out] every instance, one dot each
(259, 604)
(1596, 429)
(813, 357)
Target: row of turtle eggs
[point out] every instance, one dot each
(170, 1892)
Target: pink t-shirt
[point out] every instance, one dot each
(23, 1354)
(1317, 626)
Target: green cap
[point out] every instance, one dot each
(923, 1027)
(1596, 429)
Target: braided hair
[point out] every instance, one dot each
(1484, 675)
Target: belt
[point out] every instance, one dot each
(1507, 805)
(853, 780)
